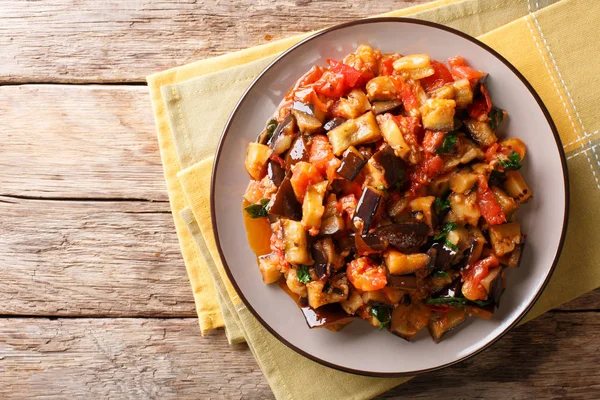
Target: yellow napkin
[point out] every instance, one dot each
(544, 55)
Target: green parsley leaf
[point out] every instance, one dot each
(441, 204)
(382, 314)
(481, 302)
(271, 126)
(303, 274)
(449, 301)
(448, 143)
(260, 209)
(441, 274)
(496, 116)
(513, 162)
(450, 245)
(447, 227)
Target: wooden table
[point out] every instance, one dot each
(95, 299)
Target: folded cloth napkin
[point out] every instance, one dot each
(544, 44)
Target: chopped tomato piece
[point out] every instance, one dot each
(278, 160)
(472, 276)
(348, 204)
(387, 66)
(488, 205)
(461, 70)
(310, 77)
(425, 171)
(481, 105)
(320, 153)
(304, 174)
(492, 152)
(407, 95)
(330, 85)
(352, 76)
(432, 141)
(410, 128)
(440, 77)
(365, 275)
(310, 96)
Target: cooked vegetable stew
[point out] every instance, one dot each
(380, 190)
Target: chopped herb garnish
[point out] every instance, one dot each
(496, 116)
(441, 274)
(448, 143)
(271, 126)
(447, 227)
(260, 209)
(381, 187)
(303, 274)
(441, 204)
(381, 313)
(449, 301)
(450, 245)
(512, 163)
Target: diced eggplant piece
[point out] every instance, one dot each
(285, 203)
(406, 237)
(333, 123)
(352, 163)
(292, 282)
(516, 187)
(325, 257)
(363, 248)
(366, 210)
(453, 290)
(298, 152)
(268, 265)
(321, 292)
(295, 246)
(464, 209)
(493, 283)
(445, 92)
(283, 135)
(309, 109)
(257, 156)
(441, 256)
(481, 132)
(506, 203)
(353, 132)
(381, 88)
(463, 94)
(402, 264)
(440, 185)
(393, 168)
(330, 316)
(275, 172)
(312, 208)
(483, 312)
(307, 123)
(505, 237)
(332, 218)
(353, 303)
(425, 206)
(441, 323)
(407, 321)
(404, 282)
(463, 180)
(393, 136)
(513, 259)
(438, 114)
(381, 107)
(353, 106)
(414, 66)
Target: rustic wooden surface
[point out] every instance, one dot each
(95, 300)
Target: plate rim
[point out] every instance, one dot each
(549, 120)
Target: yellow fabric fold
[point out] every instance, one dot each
(544, 44)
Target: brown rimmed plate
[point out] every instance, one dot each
(359, 348)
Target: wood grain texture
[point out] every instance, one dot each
(551, 357)
(123, 41)
(91, 258)
(79, 142)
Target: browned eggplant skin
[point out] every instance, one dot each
(285, 203)
(352, 163)
(275, 172)
(366, 209)
(394, 168)
(298, 152)
(406, 237)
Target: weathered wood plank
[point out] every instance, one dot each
(551, 357)
(123, 41)
(91, 258)
(79, 142)
(589, 301)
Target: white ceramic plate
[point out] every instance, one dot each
(359, 348)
